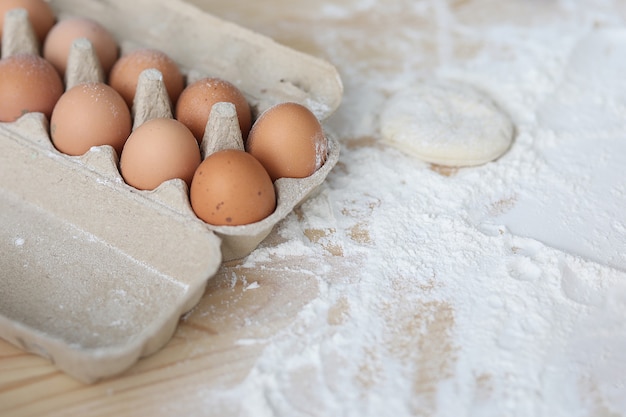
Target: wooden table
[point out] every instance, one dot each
(249, 307)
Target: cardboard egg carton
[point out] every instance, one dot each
(95, 273)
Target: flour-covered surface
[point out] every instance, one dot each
(404, 289)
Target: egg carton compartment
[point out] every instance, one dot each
(96, 273)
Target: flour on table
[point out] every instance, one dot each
(452, 295)
(446, 123)
(579, 206)
(594, 69)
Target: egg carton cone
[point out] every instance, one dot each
(95, 273)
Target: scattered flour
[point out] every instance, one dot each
(429, 303)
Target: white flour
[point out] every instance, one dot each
(445, 293)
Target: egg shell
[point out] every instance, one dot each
(28, 83)
(125, 73)
(197, 99)
(161, 149)
(289, 141)
(40, 15)
(230, 187)
(56, 48)
(90, 114)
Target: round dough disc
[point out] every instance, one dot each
(449, 124)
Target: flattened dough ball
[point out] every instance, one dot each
(446, 123)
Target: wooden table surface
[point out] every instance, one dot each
(247, 305)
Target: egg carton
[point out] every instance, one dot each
(95, 273)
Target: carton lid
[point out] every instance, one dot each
(267, 72)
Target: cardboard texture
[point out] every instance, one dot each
(96, 274)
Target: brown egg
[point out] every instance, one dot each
(56, 48)
(40, 15)
(28, 83)
(288, 140)
(159, 150)
(231, 187)
(195, 103)
(90, 114)
(125, 73)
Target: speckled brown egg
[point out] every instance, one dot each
(288, 140)
(90, 114)
(230, 187)
(197, 99)
(40, 15)
(56, 48)
(161, 149)
(28, 83)
(125, 73)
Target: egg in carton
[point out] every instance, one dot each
(96, 273)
